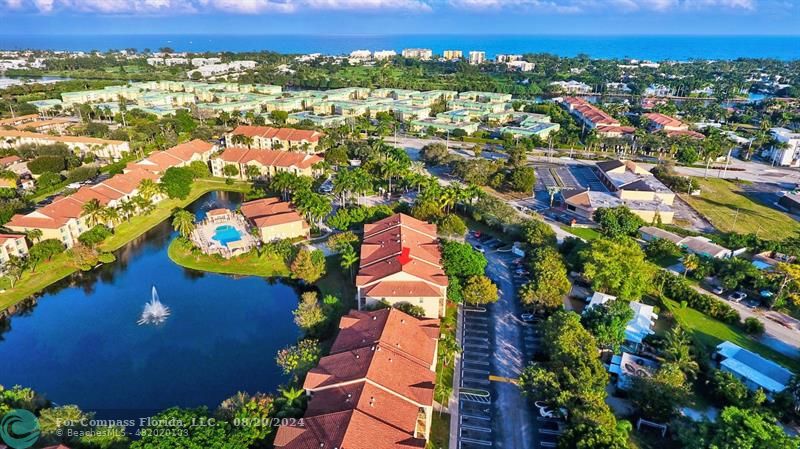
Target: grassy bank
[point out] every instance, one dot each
(62, 265)
(251, 264)
(724, 204)
(710, 332)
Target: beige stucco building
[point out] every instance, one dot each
(275, 219)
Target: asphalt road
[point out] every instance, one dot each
(514, 423)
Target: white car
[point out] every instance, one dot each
(479, 249)
(737, 296)
(528, 318)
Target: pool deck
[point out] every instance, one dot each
(204, 232)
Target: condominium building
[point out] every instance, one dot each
(274, 219)
(12, 245)
(374, 390)
(265, 162)
(380, 55)
(788, 153)
(453, 54)
(418, 53)
(477, 57)
(267, 138)
(401, 263)
(103, 148)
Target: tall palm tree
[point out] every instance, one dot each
(677, 351)
(109, 215)
(183, 223)
(127, 209)
(349, 259)
(448, 348)
(252, 171)
(91, 209)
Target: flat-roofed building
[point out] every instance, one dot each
(418, 53)
(477, 57)
(452, 54)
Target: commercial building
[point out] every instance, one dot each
(275, 219)
(752, 369)
(401, 263)
(374, 390)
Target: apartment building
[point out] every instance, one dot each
(64, 220)
(452, 54)
(266, 162)
(267, 138)
(12, 245)
(401, 263)
(477, 57)
(418, 53)
(374, 390)
(102, 148)
(787, 154)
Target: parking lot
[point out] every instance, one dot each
(475, 399)
(570, 177)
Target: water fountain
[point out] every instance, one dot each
(154, 311)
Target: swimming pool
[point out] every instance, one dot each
(226, 234)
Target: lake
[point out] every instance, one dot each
(80, 343)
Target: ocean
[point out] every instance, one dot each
(657, 48)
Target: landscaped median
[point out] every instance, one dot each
(63, 265)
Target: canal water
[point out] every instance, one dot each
(79, 342)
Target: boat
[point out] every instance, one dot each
(154, 311)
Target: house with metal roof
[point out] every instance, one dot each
(752, 369)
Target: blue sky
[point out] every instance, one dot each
(343, 17)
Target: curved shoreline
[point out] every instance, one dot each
(244, 265)
(62, 265)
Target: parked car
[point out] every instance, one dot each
(718, 290)
(479, 249)
(528, 317)
(737, 296)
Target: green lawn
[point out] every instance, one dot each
(440, 432)
(338, 282)
(729, 210)
(266, 265)
(62, 265)
(587, 234)
(710, 332)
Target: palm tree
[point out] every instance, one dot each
(92, 209)
(283, 182)
(127, 209)
(677, 351)
(149, 188)
(242, 140)
(252, 171)
(183, 222)
(34, 235)
(690, 263)
(292, 395)
(448, 348)
(349, 259)
(109, 215)
(143, 204)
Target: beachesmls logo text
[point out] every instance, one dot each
(19, 429)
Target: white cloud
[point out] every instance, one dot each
(575, 6)
(221, 6)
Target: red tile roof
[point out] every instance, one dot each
(402, 289)
(186, 150)
(8, 160)
(270, 158)
(270, 211)
(367, 394)
(591, 112)
(686, 133)
(11, 121)
(6, 237)
(389, 327)
(350, 429)
(385, 241)
(663, 120)
(285, 134)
